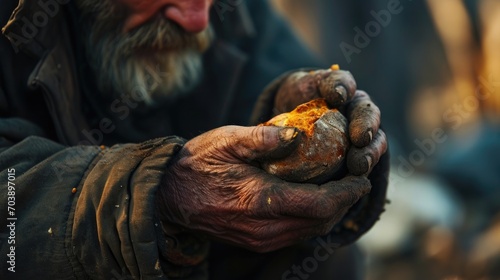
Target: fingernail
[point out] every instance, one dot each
(370, 134)
(369, 162)
(288, 134)
(342, 91)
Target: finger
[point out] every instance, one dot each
(346, 192)
(262, 142)
(360, 161)
(312, 201)
(298, 88)
(270, 234)
(286, 213)
(364, 119)
(337, 87)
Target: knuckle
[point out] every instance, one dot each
(256, 141)
(361, 94)
(348, 193)
(367, 106)
(374, 108)
(243, 142)
(381, 136)
(324, 209)
(258, 135)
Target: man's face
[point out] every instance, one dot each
(147, 48)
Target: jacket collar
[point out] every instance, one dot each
(32, 25)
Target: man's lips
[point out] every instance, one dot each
(191, 15)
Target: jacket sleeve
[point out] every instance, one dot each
(80, 212)
(366, 212)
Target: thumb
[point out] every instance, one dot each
(265, 142)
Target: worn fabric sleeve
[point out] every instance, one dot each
(80, 212)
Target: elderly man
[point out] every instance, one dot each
(94, 182)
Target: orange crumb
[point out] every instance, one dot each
(335, 67)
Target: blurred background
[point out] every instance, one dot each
(433, 67)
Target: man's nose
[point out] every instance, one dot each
(191, 15)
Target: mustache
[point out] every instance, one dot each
(161, 34)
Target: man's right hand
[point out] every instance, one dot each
(214, 186)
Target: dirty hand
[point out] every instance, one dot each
(214, 186)
(338, 87)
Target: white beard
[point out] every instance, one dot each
(153, 78)
(156, 61)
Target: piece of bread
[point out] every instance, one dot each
(322, 148)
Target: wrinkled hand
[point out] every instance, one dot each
(215, 187)
(339, 89)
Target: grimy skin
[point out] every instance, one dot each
(360, 160)
(214, 185)
(338, 87)
(365, 119)
(369, 142)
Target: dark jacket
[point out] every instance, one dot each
(84, 203)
